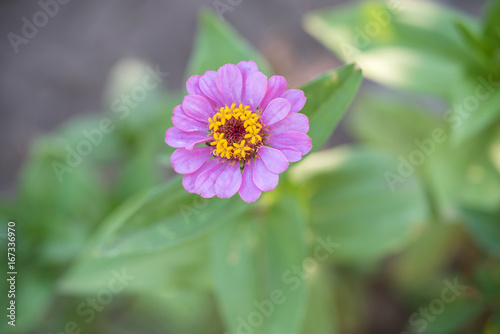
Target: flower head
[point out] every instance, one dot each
(236, 131)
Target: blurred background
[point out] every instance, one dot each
(63, 70)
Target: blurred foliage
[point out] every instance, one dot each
(110, 242)
(442, 128)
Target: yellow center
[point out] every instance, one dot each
(237, 132)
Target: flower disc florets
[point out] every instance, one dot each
(237, 132)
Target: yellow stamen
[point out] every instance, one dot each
(252, 136)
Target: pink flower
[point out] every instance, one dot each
(236, 131)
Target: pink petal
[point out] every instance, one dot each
(275, 111)
(178, 138)
(291, 154)
(205, 182)
(185, 123)
(189, 180)
(248, 190)
(292, 122)
(254, 89)
(263, 178)
(193, 85)
(296, 98)
(229, 181)
(208, 85)
(247, 68)
(230, 83)
(274, 160)
(297, 140)
(197, 107)
(276, 86)
(186, 162)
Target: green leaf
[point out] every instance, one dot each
(423, 143)
(161, 218)
(328, 98)
(485, 228)
(167, 272)
(491, 22)
(391, 46)
(456, 316)
(473, 181)
(391, 122)
(353, 204)
(427, 258)
(321, 316)
(217, 44)
(475, 120)
(252, 266)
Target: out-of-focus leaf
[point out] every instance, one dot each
(491, 23)
(487, 278)
(485, 228)
(352, 202)
(217, 44)
(391, 122)
(476, 107)
(423, 143)
(176, 313)
(394, 48)
(351, 300)
(167, 272)
(59, 201)
(253, 263)
(427, 258)
(472, 180)
(328, 98)
(161, 218)
(456, 316)
(321, 316)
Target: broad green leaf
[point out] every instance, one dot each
(167, 272)
(328, 98)
(160, 218)
(253, 263)
(485, 228)
(217, 44)
(391, 46)
(354, 203)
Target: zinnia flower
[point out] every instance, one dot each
(236, 131)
